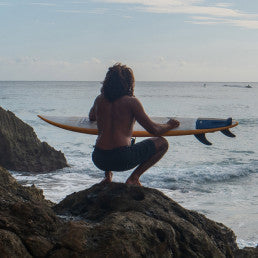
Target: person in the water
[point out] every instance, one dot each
(116, 109)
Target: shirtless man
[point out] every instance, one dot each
(116, 110)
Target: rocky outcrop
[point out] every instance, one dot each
(26, 219)
(138, 221)
(21, 150)
(247, 252)
(114, 220)
(30, 228)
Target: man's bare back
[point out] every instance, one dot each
(116, 119)
(115, 122)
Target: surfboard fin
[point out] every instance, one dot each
(228, 133)
(202, 138)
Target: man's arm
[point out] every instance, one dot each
(92, 113)
(143, 119)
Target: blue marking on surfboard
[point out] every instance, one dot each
(209, 123)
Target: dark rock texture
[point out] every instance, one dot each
(21, 150)
(114, 220)
(26, 219)
(30, 228)
(247, 252)
(138, 221)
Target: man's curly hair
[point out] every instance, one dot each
(119, 81)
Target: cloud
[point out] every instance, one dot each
(127, 16)
(32, 61)
(154, 2)
(230, 16)
(70, 11)
(92, 11)
(98, 11)
(223, 4)
(95, 60)
(36, 68)
(191, 9)
(79, 2)
(250, 24)
(4, 4)
(44, 4)
(161, 59)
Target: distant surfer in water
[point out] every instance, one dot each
(116, 109)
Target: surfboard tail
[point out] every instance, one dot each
(206, 123)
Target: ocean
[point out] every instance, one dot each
(220, 181)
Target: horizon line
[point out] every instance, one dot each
(135, 81)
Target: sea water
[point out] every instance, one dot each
(219, 181)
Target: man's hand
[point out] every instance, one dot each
(173, 123)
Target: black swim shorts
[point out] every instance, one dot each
(123, 158)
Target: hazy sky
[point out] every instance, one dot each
(169, 40)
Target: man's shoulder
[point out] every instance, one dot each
(99, 98)
(130, 99)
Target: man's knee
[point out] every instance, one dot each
(161, 144)
(164, 143)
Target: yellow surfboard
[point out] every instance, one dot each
(188, 126)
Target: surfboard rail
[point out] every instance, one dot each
(76, 129)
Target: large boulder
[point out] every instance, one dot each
(114, 220)
(30, 228)
(135, 221)
(21, 150)
(26, 219)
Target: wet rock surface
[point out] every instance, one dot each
(21, 150)
(114, 220)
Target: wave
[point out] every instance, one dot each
(238, 86)
(199, 177)
(250, 122)
(244, 243)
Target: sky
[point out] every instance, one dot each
(161, 40)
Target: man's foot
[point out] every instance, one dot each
(131, 181)
(108, 177)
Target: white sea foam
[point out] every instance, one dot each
(243, 243)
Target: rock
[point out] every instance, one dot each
(28, 225)
(11, 245)
(26, 218)
(114, 220)
(247, 252)
(137, 221)
(21, 150)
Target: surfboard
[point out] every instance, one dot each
(188, 126)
